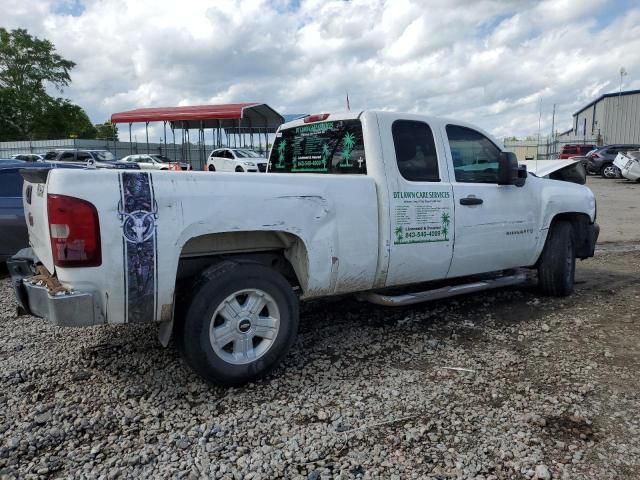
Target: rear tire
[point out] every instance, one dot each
(557, 266)
(241, 322)
(611, 171)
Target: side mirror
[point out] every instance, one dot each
(509, 172)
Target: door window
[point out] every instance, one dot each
(475, 157)
(415, 151)
(67, 157)
(84, 156)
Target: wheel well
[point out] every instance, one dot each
(282, 251)
(580, 225)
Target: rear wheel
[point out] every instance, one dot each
(212, 168)
(242, 321)
(611, 171)
(557, 266)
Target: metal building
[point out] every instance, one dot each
(611, 118)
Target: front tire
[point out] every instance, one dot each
(557, 266)
(212, 168)
(239, 170)
(241, 322)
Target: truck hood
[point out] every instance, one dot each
(566, 170)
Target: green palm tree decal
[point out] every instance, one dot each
(399, 233)
(445, 224)
(325, 155)
(348, 142)
(281, 146)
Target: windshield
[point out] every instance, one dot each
(104, 156)
(247, 154)
(161, 158)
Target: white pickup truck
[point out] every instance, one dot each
(377, 204)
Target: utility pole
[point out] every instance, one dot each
(538, 142)
(553, 125)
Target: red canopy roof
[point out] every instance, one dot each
(252, 116)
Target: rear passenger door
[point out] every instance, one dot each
(421, 200)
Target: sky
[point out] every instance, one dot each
(489, 62)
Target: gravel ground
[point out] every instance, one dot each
(618, 209)
(505, 384)
(549, 390)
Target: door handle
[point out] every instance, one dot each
(470, 201)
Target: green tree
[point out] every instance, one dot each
(106, 130)
(27, 66)
(62, 119)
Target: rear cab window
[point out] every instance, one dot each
(334, 146)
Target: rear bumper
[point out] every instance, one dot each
(64, 308)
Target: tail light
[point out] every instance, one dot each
(75, 232)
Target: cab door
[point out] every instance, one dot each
(421, 200)
(495, 224)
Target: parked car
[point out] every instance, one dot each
(97, 158)
(154, 161)
(373, 204)
(12, 222)
(236, 160)
(28, 157)
(629, 164)
(600, 161)
(575, 149)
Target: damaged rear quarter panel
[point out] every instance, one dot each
(335, 217)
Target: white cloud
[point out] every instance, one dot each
(488, 61)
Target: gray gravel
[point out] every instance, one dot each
(364, 394)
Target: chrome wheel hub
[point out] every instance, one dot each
(244, 326)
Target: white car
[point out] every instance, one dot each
(155, 162)
(236, 160)
(629, 164)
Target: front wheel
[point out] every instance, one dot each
(212, 168)
(239, 170)
(611, 171)
(242, 321)
(557, 266)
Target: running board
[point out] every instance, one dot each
(444, 292)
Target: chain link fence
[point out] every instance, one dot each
(194, 154)
(545, 150)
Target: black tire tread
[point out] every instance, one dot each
(188, 334)
(551, 269)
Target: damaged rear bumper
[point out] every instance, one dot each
(35, 295)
